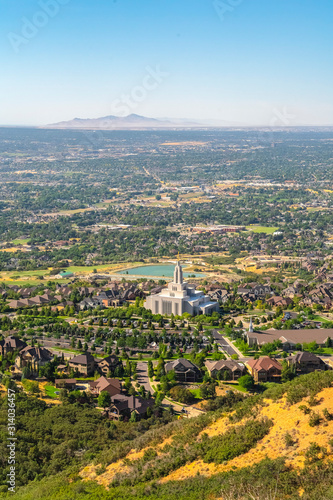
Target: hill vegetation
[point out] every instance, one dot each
(275, 445)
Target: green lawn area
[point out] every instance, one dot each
(20, 241)
(196, 393)
(320, 318)
(324, 350)
(51, 391)
(231, 386)
(327, 350)
(262, 229)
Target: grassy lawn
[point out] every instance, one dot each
(51, 391)
(320, 318)
(76, 352)
(262, 229)
(324, 350)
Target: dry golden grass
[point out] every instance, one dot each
(11, 249)
(286, 419)
(90, 473)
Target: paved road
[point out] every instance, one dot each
(142, 371)
(223, 343)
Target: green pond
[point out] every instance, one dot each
(159, 270)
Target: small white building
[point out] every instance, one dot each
(180, 297)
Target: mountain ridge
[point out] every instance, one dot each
(129, 122)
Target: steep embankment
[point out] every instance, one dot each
(284, 424)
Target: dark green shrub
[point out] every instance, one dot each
(314, 419)
(236, 441)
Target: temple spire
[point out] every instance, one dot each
(251, 326)
(178, 274)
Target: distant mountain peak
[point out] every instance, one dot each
(131, 121)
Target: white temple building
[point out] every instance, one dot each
(180, 297)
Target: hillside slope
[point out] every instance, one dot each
(276, 446)
(295, 428)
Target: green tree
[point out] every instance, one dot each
(246, 382)
(104, 399)
(207, 391)
(288, 372)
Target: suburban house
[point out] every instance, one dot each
(307, 362)
(265, 369)
(110, 385)
(278, 301)
(225, 369)
(11, 344)
(83, 363)
(257, 289)
(185, 370)
(220, 295)
(65, 383)
(124, 406)
(33, 358)
(110, 298)
(91, 303)
(108, 364)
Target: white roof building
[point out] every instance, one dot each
(180, 297)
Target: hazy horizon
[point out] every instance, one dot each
(245, 63)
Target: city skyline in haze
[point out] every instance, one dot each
(238, 62)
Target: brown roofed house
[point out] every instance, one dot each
(122, 405)
(83, 363)
(11, 344)
(110, 385)
(108, 364)
(185, 370)
(306, 362)
(225, 369)
(265, 369)
(33, 357)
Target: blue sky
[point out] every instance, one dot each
(250, 62)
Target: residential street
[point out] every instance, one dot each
(142, 371)
(223, 343)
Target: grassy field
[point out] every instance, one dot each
(262, 229)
